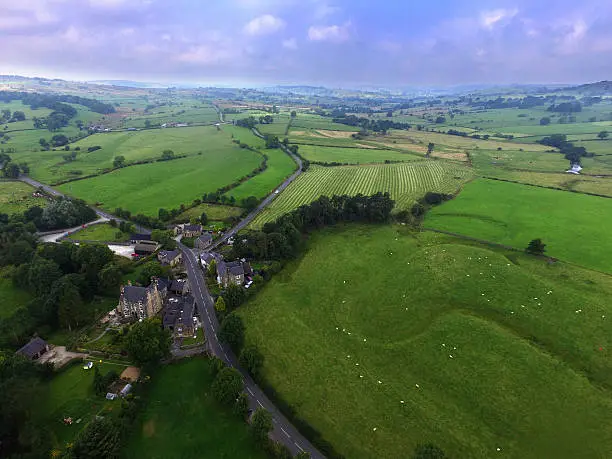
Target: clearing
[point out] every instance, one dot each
(412, 338)
(102, 232)
(16, 197)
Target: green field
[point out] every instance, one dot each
(49, 166)
(365, 357)
(102, 232)
(181, 419)
(405, 182)
(305, 121)
(17, 197)
(280, 166)
(71, 394)
(148, 187)
(214, 212)
(353, 155)
(11, 298)
(574, 226)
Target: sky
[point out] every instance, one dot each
(339, 43)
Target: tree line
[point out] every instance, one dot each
(572, 153)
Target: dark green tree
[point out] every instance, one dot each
(241, 406)
(545, 121)
(203, 219)
(100, 439)
(42, 274)
(428, 451)
(232, 331)
(430, 148)
(119, 161)
(167, 155)
(603, 135)
(251, 360)
(150, 269)
(261, 425)
(98, 382)
(18, 116)
(227, 385)
(147, 342)
(234, 296)
(110, 277)
(536, 247)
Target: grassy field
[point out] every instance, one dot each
(573, 226)
(71, 394)
(182, 419)
(102, 232)
(214, 212)
(16, 197)
(305, 121)
(280, 166)
(50, 166)
(412, 338)
(353, 155)
(405, 182)
(11, 298)
(148, 187)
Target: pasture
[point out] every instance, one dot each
(574, 226)
(406, 182)
(410, 338)
(353, 155)
(50, 166)
(147, 188)
(181, 419)
(16, 197)
(214, 212)
(102, 232)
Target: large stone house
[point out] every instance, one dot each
(188, 230)
(178, 315)
(203, 242)
(136, 303)
(232, 272)
(170, 257)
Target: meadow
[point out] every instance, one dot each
(102, 232)
(280, 166)
(16, 197)
(574, 226)
(420, 337)
(181, 419)
(214, 212)
(149, 187)
(406, 182)
(306, 121)
(70, 394)
(11, 298)
(353, 155)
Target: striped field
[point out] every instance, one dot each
(405, 182)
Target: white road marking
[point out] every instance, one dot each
(259, 403)
(301, 449)
(285, 432)
(250, 391)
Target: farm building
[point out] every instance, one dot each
(34, 349)
(146, 247)
(138, 237)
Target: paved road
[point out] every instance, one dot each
(283, 431)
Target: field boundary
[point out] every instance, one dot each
(548, 186)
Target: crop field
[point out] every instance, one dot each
(181, 407)
(405, 182)
(71, 394)
(16, 197)
(149, 187)
(353, 155)
(280, 166)
(11, 298)
(50, 166)
(574, 227)
(102, 232)
(412, 338)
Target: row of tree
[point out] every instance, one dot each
(572, 153)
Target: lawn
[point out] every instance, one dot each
(16, 197)
(181, 419)
(149, 187)
(353, 155)
(70, 394)
(406, 182)
(102, 232)
(11, 298)
(574, 226)
(280, 166)
(411, 338)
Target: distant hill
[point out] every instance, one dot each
(127, 83)
(599, 88)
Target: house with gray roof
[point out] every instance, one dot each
(138, 303)
(204, 241)
(178, 315)
(232, 272)
(170, 257)
(34, 349)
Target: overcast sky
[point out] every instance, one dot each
(335, 42)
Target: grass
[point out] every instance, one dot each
(102, 232)
(16, 197)
(11, 298)
(353, 155)
(214, 212)
(574, 227)
(399, 304)
(280, 166)
(70, 394)
(182, 419)
(405, 182)
(149, 187)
